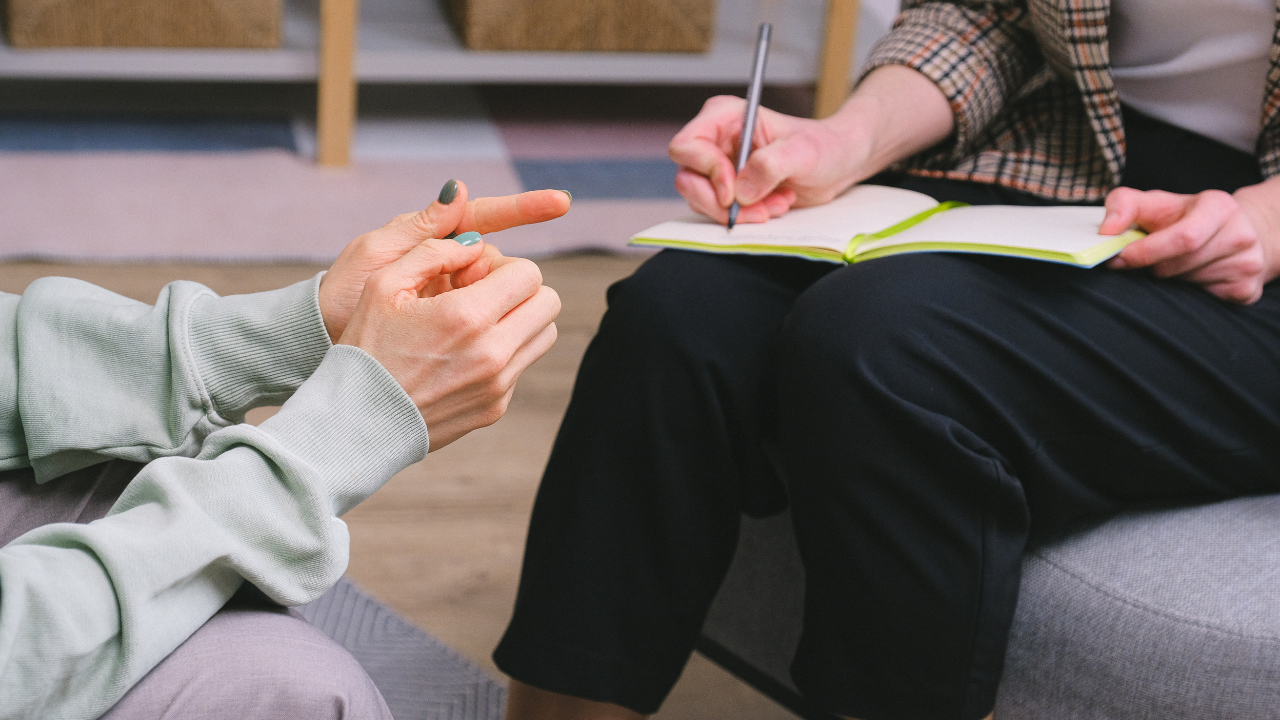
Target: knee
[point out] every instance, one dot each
(681, 304)
(876, 319)
(253, 664)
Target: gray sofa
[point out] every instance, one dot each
(1168, 615)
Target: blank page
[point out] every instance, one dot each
(863, 209)
(1061, 229)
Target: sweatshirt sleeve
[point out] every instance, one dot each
(89, 609)
(89, 375)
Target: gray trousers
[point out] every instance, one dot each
(252, 661)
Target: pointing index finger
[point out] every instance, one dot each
(492, 214)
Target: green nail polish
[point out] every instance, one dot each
(566, 192)
(468, 238)
(448, 192)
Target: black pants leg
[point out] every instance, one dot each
(636, 519)
(934, 414)
(938, 411)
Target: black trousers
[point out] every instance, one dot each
(926, 416)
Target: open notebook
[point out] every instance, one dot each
(871, 221)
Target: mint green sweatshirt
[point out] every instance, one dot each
(87, 375)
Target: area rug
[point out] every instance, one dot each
(418, 676)
(111, 187)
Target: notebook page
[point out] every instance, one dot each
(1061, 229)
(862, 209)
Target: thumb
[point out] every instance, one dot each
(767, 168)
(429, 259)
(439, 218)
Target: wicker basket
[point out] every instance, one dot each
(144, 23)
(602, 25)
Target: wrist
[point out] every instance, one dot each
(894, 113)
(1259, 203)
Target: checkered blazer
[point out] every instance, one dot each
(1030, 84)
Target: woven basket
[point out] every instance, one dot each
(144, 23)
(601, 25)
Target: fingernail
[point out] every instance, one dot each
(448, 192)
(566, 192)
(468, 238)
(1118, 263)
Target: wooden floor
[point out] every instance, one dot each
(441, 543)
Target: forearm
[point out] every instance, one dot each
(894, 113)
(89, 609)
(95, 375)
(978, 53)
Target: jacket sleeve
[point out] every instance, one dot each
(89, 609)
(89, 375)
(980, 54)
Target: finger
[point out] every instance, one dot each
(706, 144)
(490, 259)
(526, 321)
(529, 353)
(705, 158)
(1122, 211)
(701, 196)
(772, 165)
(492, 214)
(430, 259)
(1229, 281)
(757, 213)
(490, 298)
(1236, 238)
(437, 219)
(780, 201)
(1199, 218)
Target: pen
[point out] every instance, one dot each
(753, 104)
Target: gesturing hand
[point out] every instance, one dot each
(457, 353)
(1225, 242)
(341, 287)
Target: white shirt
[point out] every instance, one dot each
(1199, 64)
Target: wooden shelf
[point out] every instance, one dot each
(411, 41)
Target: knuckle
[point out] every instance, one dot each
(1182, 241)
(489, 364)
(1252, 266)
(381, 283)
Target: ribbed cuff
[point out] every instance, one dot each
(257, 349)
(354, 424)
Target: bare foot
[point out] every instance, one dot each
(525, 702)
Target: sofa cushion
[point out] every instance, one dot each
(1167, 614)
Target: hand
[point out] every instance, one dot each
(341, 287)
(1226, 242)
(457, 353)
(797, 162)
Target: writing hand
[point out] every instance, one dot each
(1225, 242)
(797, 162)
(457, 353)
(341, 287)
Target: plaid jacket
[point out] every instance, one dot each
(1030, 84)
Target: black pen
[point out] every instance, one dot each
(753, 104)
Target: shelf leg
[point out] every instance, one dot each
(336, 106)
(837, 56)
